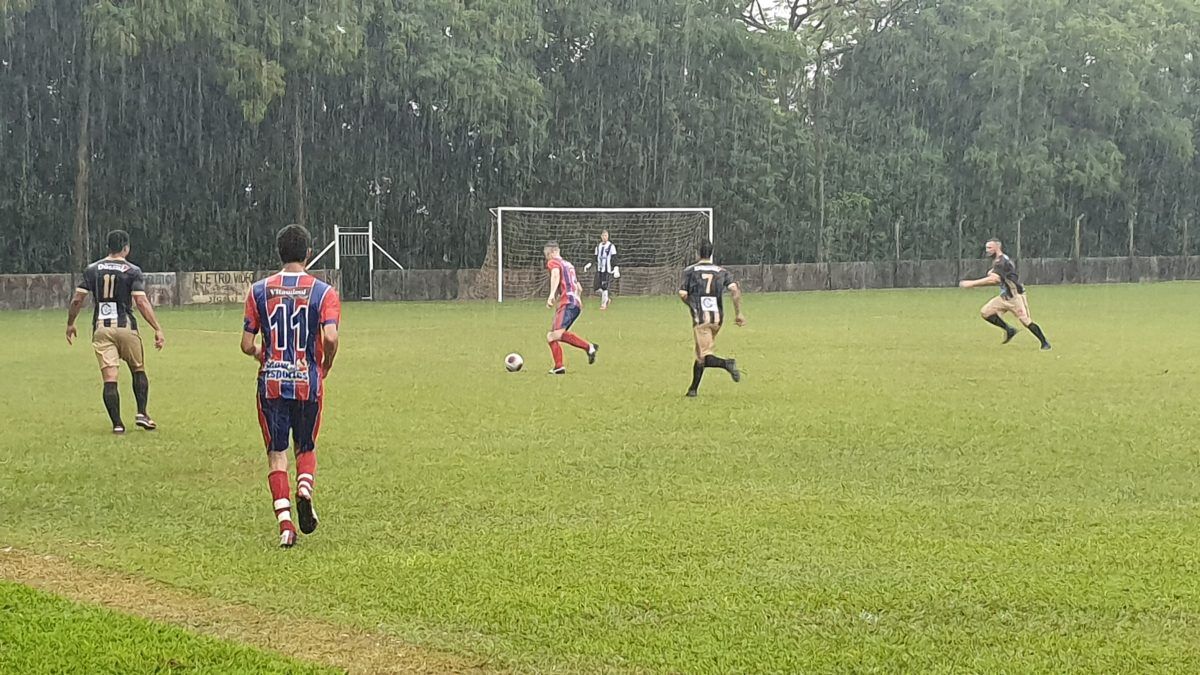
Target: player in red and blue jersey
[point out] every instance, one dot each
(297, 315)
(564, 286)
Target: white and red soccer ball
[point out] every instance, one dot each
(513, 362)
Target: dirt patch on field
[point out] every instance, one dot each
(350, 649)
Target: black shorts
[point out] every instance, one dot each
(603, 280)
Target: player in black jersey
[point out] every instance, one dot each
(702, 290)
(1012, 295)
(116, 286)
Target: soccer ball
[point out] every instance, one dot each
(513, 362)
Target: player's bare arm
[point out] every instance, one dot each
(735, 294)
(147, 311)
(250, 346)
(329, 334)
(992, 279)
(555, 278)
(683, 295)
(73, 313)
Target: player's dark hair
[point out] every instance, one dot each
(706, 249)
(294, 244)
(994, 240)
(117, 241)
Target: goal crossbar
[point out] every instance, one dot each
(584, 209)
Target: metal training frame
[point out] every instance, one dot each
(355, 242)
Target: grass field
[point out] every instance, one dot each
(888, 489)
(43, 634)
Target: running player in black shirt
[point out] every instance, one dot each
(702, 291)
(1012, 295)
(116, 287)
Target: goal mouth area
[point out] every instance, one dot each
(652, 245)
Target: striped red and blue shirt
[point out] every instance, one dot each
(290, 309)
(566, 283)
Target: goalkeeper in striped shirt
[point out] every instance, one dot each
(606, 267)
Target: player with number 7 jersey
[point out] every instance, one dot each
(702, 290)
(297, 316)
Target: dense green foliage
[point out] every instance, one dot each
(814, 128)
(867, 499)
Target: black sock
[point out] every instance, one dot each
(1037, 330)
(112, 403)
(697, 373)
(711, 361)
(141, 391)
(995, 320)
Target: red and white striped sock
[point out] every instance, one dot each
(306, 472)
(281, 499)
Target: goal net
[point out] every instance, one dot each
(653, 246)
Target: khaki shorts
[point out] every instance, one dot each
(706, 337)
(1017, 305)
(113, 345)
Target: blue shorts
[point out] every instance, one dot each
(565, 316)
(281, 418)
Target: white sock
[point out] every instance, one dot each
(603, 297)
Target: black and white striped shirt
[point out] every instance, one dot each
(605, 255)
(112, 283)
(705, 284)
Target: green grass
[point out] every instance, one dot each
(888, 489)
(40, 633)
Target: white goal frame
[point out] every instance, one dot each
(355, 242)
(499, 212)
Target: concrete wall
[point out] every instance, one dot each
(481, 284)
(35, 291)
(224, 288)
(214, 288)
(421, 284)
(162, 288)
(44, 291)
(53, 291)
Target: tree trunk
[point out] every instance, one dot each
(1132, 222)
(79, 241)
(298, 153)
(1020, 222)
(1075, 252)
(25, 162)
(958, 258)
(819, 155)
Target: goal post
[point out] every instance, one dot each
(653, 245)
